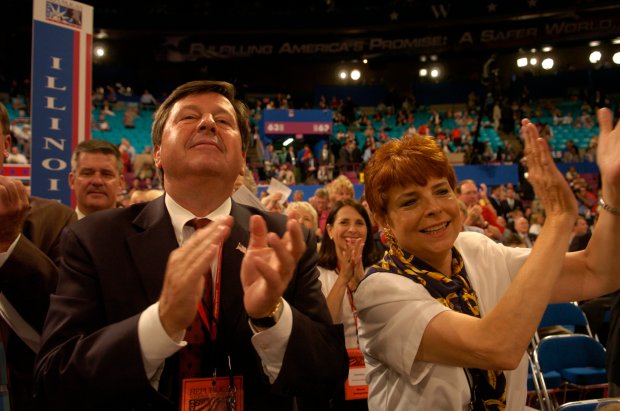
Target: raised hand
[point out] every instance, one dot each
(549, 184)
(268, 265)
(474, 215)
(353, 270)
(185, 275)
(608, 156)
(14, 204)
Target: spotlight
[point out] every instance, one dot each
(423, 59)
(522, 62)
(533, 61)
(594, 43)
(342, 75)
(616, 40)
(355, 75)
(434, 73)
(547, 49)
(99, 51)
(287, 141)
(547, 63)
(595, 57)
(616, 57)
(433, 57)
(423, 72)
(365, 61)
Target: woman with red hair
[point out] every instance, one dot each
(446, 316)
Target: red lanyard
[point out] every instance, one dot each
(353, 309)
(212, 325)
(351, 304)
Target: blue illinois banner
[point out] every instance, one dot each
(61, 92)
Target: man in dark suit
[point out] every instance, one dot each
(495, 199)
(510, 204)
(131, 292)
(520, 232)
(30, 230)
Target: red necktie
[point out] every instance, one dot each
(190, 359)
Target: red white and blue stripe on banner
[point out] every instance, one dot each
(61, 92)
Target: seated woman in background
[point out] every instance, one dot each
(446, 314)
(303, 212)
(346, 250)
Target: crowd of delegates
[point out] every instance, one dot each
(413, 221)
(498, 212)
(359, 131)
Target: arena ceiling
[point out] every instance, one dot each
(315, 16)
(208, 36)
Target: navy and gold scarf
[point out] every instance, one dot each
(488, 388)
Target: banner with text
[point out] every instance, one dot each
(435, 39)
(61, 92)
(298, 121)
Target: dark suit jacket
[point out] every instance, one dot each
(506, 208)
(497, 205)
(27, 279)
(113, 269)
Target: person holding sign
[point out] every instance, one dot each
(190, 301)
(446, 316)
(346, 249)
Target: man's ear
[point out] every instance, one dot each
(71, 180)
(157, 156)
(122, 183)
(242, 171)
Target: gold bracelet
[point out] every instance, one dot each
(270, 319)
(276, 309)
(613, 210)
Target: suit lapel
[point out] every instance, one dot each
(151, 246)
(233, 252)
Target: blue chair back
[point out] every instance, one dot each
(567, 315)
(558, 352)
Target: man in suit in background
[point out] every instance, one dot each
(510, 204)
(496, 197)
(521, 229)
(96, 176)
(141, 295)
(30, 230)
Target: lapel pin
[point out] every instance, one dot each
(242, 248)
